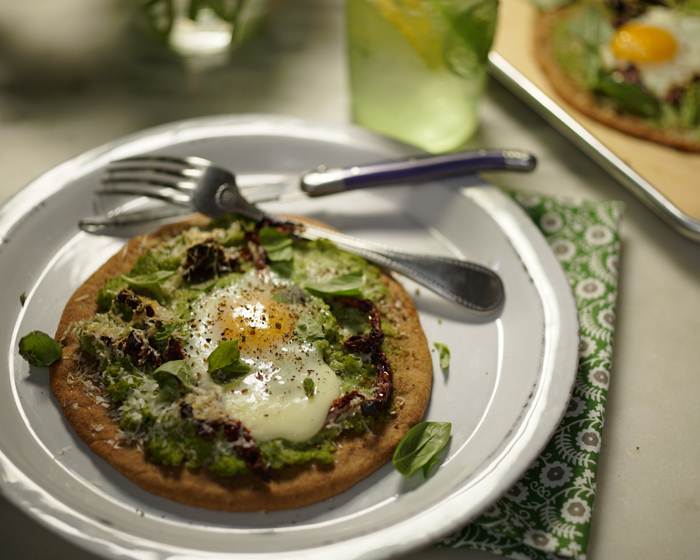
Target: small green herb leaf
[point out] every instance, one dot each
(309, 387)
(577, 42)
(39, 349)
(174, 378)
(150, 284)
(344, 285)
(225, 362)
(444, 354)
(277, 245)
(628, 97)
(108, 292)
(420, 446)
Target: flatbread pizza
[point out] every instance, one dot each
(632, 65)
(235, 366)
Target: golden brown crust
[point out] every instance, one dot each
(582, 99)
(356, 457)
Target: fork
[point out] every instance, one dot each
(197, 184)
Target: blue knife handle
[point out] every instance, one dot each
(323, 181)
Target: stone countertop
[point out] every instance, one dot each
(84, 83)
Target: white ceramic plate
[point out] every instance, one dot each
(505, 392)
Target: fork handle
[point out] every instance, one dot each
(323, 181)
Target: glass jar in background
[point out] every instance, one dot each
(418, 67)
(205, 28)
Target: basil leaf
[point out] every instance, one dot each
(39, 349)
(444, 354)
(431, 465)
(628, 97)
(309, 387)
(309, 327)
(282, 268)
(277, 245)
(150, 284)
(577, 43)
(419, 447)
(344, 285)
(591, 26)
(174, 378)
(225, 362)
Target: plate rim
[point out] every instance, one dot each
(510, 218)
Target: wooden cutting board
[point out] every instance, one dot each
(674, 174)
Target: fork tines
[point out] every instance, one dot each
(166, 178)
(189, 168)
(157, 171)
(185, 162)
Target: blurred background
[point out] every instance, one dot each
(101, 58)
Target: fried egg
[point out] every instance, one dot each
(663, 44)
(270, 399)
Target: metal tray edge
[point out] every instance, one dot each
(555, 115)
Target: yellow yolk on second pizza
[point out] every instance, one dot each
(663, 44)
(641, 43)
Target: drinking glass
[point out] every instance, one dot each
(418, 67)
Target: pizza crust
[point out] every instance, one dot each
(356, 457)
(584, 101)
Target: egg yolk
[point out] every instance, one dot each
(263, 324)
(637, 42)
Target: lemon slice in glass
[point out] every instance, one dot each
(417, 22)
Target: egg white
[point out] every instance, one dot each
(661, 77)
(270, 400)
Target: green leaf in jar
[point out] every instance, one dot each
(471, 28)
(39, 349)
(420, 447)
(160, 15)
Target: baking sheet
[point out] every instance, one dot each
(665, 179)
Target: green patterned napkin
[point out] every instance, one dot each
(547, 513)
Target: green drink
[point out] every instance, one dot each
(417, 67)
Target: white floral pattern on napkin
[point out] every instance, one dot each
(547, 514)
